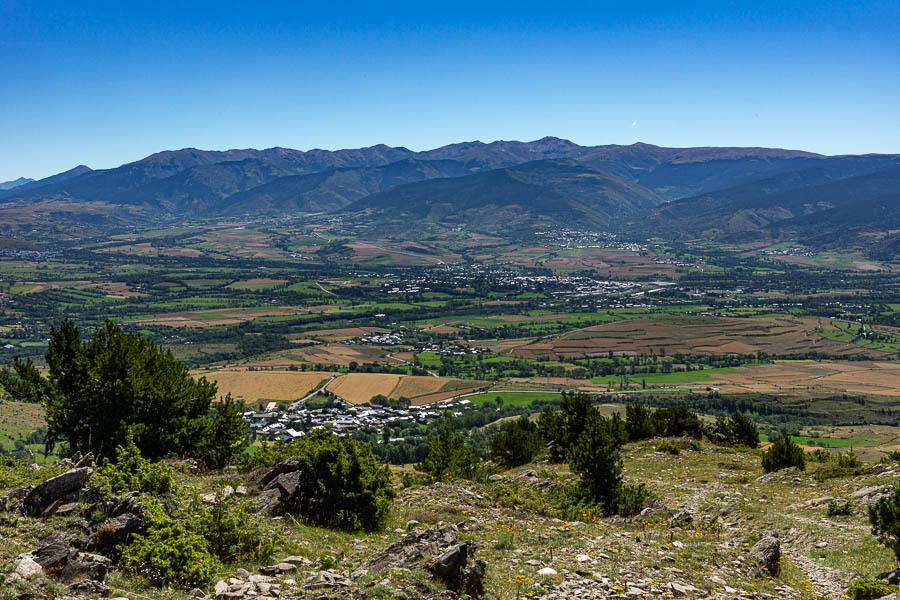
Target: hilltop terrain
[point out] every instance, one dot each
(499, 187)
(714, 506)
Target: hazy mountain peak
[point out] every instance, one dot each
(8, 185)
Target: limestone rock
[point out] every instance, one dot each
(765, 556)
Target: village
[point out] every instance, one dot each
(286, 423)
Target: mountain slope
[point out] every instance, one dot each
(756, 205)
(191, 181)
(536, 193)
(335, 189)
(8, 185)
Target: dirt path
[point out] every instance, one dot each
(826, 582)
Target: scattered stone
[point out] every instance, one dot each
(417, 544)
(890, 577)
(872, 493)
(90, 587)
(27, 567)
(278, 569)
(682, 518)
(459, 570)
(547, 572)
(765, 556)
(61, 487)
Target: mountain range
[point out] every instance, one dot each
(679, 193)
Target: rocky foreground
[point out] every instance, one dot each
(717, 529)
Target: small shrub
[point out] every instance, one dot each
(839, 509)
(783, 453)
(630, 499)
(131, 472)
(676, 421)
(820, 456)
(343, 485)
(412, 480)
(674, 447)
(668, 447)
(868, 589)
(517, 443)
(842, 465)
(169, 553)
(232, 529)
(892, 456)
(884, 516)
(225, 436)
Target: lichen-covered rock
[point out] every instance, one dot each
(59, 488)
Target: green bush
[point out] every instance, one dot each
(517, 443)
(343, 485)
(820, 456)
(884, 516)
(448, 455)
(783, 453)
(868, 589)
(133, 473)
(232, 529)
(839, 509)
(630, 499)
(892, 456)
(169, 553)
(842, 465)
(674, 447)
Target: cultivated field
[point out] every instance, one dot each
(227, 316)
(358, 388)
(258, 386)
(826, 377)
(341, 355)
(671, 334)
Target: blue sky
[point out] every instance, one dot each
(104, 83)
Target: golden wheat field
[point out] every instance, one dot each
(255, 386)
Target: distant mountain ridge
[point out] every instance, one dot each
(640, 188)
(8, 185)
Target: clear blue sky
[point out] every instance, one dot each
(104, 83)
